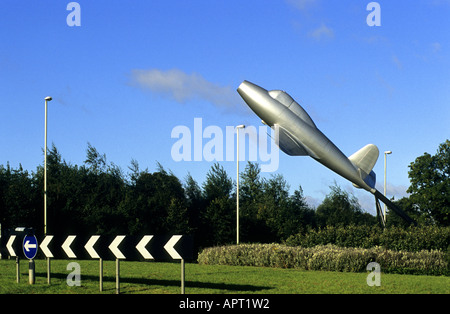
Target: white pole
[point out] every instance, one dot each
(45, 171)
(384, 207)
(237, 184)
(117, 276)
(31, 272)
(48, 98)
(237, 190)
(101, 274)
(182, 276)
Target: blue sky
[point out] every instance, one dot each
(133, 71)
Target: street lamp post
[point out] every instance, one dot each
(237, 184)
(388, 152)
(47, 99)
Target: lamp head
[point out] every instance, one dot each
(48, 98)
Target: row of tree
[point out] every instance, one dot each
(99, 198)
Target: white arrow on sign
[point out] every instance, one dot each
(90, 246)
(29, 246)
(44, 246)
(66, 246)
(114, 247)
(141, 247)
(9, 245)
(170, 244)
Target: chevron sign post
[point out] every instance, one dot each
(130, 248)
(120, 247)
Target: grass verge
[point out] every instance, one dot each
(164, 278)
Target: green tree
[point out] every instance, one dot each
(106, 188)
(339, 208)
(273, 206)
(18, 195)
(300, 216)
(251, 226)
(65, 194)
(155, 203)
(177, 221)
(220, 215)
(195, 202)
(430, 185)
(408, 206)
(218, 184)
(95, 160)
(250, 185)
(268, 213)
(220, 210)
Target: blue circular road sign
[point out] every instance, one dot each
(30, 246)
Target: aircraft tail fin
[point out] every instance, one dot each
(364, 160)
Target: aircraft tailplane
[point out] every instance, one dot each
(364, 160)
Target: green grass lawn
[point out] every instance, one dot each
(164, 278)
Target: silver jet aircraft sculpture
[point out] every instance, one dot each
(299, 136)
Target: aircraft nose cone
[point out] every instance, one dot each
(258, 99)
(249, 92)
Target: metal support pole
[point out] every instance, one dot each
(237, 182)
(182, 276)
(47, 99)
(101, 274)
(48, 270)
(31, 268)
(117, 276)
(17, 269)
(384, 208)
(45, 172)
(237, 190)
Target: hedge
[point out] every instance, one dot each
(327, 257)
(413, 239)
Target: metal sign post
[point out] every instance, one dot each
(48, 254)
(31, 275)
(182, 276)
(30, 249)
(48, 271)
(17, 269)
(130, 248)
(117, 276)
(101, 274)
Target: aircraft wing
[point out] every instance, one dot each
(288, 144)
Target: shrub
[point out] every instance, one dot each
(413, 239)
(327, 257)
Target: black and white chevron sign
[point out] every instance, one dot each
(11, 242)
(132, 248)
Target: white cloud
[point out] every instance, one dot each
(397, 62)
(313, 202)
(301, 4)
(436, 46)
(385, 84)
(322, 32)
(396, 191)
(440, 2)
(185, 87)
